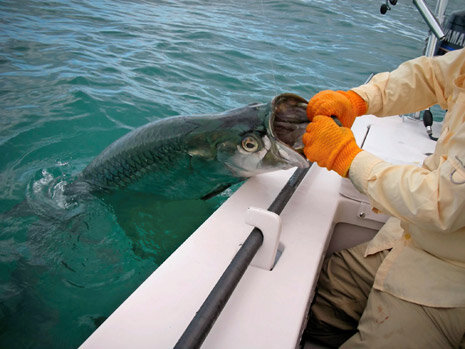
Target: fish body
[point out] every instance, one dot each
(187, 157)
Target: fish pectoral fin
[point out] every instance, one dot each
(216, 191)
(203, 153)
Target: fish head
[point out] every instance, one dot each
(270, 137)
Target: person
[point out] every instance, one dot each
(406, 287)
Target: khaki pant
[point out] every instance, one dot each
(347, 312)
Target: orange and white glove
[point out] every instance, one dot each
(329, 145)
(345, 106)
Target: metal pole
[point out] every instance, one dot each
(441, 6)
(203, 321)
(429, 18)
(432, 39)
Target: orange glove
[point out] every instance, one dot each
(346, 106)
(329, 145)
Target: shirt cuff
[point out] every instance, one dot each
(371, 92)
(361, 168)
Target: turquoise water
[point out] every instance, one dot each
(76, 75)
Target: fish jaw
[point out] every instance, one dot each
(283, 118)
(286, 124)
(290, 156)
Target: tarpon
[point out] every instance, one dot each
(199, 156)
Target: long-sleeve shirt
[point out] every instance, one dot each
(426, 234)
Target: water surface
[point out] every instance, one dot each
(76, 75)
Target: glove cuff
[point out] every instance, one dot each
(345, 157)
(358, 103)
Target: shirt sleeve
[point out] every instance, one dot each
(431, 200)
(415, 85)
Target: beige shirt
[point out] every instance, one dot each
(427, 230)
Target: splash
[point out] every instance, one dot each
(45, 193)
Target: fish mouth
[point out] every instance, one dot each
(287, 122)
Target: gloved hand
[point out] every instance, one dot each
(329, 145)
(346, 106)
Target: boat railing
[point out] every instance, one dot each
(436, 33)
(431, 19)
(434, 22)
(204, 319)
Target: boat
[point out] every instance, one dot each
(268, 304)
(268, 308)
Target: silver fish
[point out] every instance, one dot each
(187, 157)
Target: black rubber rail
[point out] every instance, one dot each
(203, 321)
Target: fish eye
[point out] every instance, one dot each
(250, 144)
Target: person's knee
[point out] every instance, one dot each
(389, 322)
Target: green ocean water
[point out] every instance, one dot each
(77, 75)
